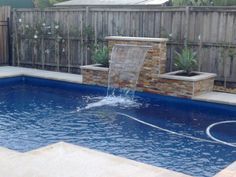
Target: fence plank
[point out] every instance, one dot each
(216, 27)
(5, 13)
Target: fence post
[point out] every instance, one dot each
(16, 56)
(81, 40)
(9, 41)
(86, 37)
(186, 26)
(95, 29)
(199, 53)
(68, 46)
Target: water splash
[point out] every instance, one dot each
(125, 65)
(113, 101)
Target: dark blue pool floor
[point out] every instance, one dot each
(36, 112)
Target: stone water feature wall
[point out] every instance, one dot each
(152, 76)
(154, 63)
(155, 60)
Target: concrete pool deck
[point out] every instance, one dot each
(66, 160)
(230, 171)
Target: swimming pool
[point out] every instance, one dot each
(36, 112)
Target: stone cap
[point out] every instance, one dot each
(96, 67)
(200, 76)
(144, 39)
(131, 45)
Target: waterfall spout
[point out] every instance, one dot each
(125, 65)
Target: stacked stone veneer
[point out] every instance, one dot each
(95, 75)
(169, 84)
(152, 78)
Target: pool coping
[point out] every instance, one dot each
(64, 159)
(217, 97)
(9, 71)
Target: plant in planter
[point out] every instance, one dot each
(186, 61)
(101, 56)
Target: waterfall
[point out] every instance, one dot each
(125, 66)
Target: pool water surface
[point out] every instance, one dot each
(37, 112)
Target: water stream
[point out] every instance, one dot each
(125, 66)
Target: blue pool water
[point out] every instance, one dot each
(37, 112)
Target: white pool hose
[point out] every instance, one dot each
(216, 141)
(208, 132)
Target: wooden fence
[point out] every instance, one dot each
(62, 39)
(4, 35)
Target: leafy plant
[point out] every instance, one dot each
(186, 60)
(101, 56)
(180, 2)
(46, 3)
(203, 2)
(224, 2)
(190, 2)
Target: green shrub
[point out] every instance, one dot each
(191, 2)
(101, 56)
(46, 3)
(186, 61)
(203, 2)
(224, 2)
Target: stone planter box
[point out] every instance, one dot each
(183, 86)
(95, 75)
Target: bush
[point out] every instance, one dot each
(191, 2)
(101, 56)
(186, 60)
(224, 2)
(46, 3)
(203, 2)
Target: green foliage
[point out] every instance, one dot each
(191, 2)
(56, 1)
(17, 3)
(203, 2)
(224, 2)
(186, 60)
(41, 3)
(101, 56)
(88, 33)
(180, 2)
(46, 3)
(39, 30)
